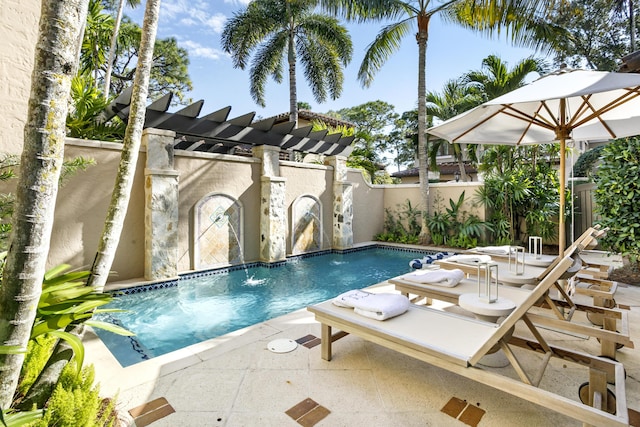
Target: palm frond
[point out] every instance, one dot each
(386, 43)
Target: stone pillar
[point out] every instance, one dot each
(273, 219)
(161, 206)
(342, 204)
(273, 215)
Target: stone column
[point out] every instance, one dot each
(273, 215)
(342, 204)
(161, 206)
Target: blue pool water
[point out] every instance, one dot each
(205, 307)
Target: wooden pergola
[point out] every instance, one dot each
(217, 133)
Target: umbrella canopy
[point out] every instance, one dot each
(577, 105)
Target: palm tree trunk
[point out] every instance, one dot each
(129, 157)
(632, 26)
(423, 169)
(112, 49)
(41, 162)
(291, 56)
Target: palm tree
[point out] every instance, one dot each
(95, 37)
(114, 39)
(455, 98)
(41, 163)
(129, 156)
(272, 30)
(521, 18)
(495, 78)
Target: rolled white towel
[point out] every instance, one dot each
(470, 259)
(376, 306)
(447, 278)
(497, 250)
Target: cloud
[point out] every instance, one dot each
(193, 14)
(197, 50)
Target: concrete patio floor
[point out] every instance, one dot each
(235, 380)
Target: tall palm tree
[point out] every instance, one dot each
(271, 30)
(41, 163)
(521, 18)
(114, 39)
(455, 98)
(129, 156)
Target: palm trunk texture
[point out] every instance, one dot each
(42, 156)
(129, 157)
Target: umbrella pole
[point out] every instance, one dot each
(561, 222)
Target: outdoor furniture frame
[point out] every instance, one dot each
(615, 325)
(458, 343)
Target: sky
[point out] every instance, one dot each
(197, 25)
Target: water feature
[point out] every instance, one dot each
(191, 310)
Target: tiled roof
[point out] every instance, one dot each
(630, 63)
(444, 169)
(311, 115)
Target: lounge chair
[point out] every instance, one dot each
(458, 343)
(584, 283)
(613, 335)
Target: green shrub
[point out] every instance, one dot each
(618, 197)
(38, 352)
(76, 402)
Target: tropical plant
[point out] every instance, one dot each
(93, 53)
(523, 20)
(66, 302)
(88, 103)
(114, 41)
(170, 62)
(520, 188)
(41, 163)
(371, 121)
(401, 225)
(456, 98)
(271, 30)
(618, 196)
(455, 226)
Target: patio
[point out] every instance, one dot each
(235, 380)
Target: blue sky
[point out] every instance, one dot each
(197, 25)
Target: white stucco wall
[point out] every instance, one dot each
(18, 36)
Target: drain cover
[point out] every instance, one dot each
(282, 345)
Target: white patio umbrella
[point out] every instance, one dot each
(566, 105)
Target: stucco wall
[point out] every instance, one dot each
(82, 206)
(18, 36)
(83, 202)
(368, 207)
(314, 180)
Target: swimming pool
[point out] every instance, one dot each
(173, 315)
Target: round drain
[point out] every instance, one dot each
(282, 345)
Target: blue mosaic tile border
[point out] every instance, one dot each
(225, 270)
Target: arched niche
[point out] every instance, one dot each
(218, 231)
(306, 225)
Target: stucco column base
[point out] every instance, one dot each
(273, 219)
(342, 204)
(161, 206)
(342, 215)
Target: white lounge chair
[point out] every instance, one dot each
(457, 343)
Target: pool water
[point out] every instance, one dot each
(205, 307)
